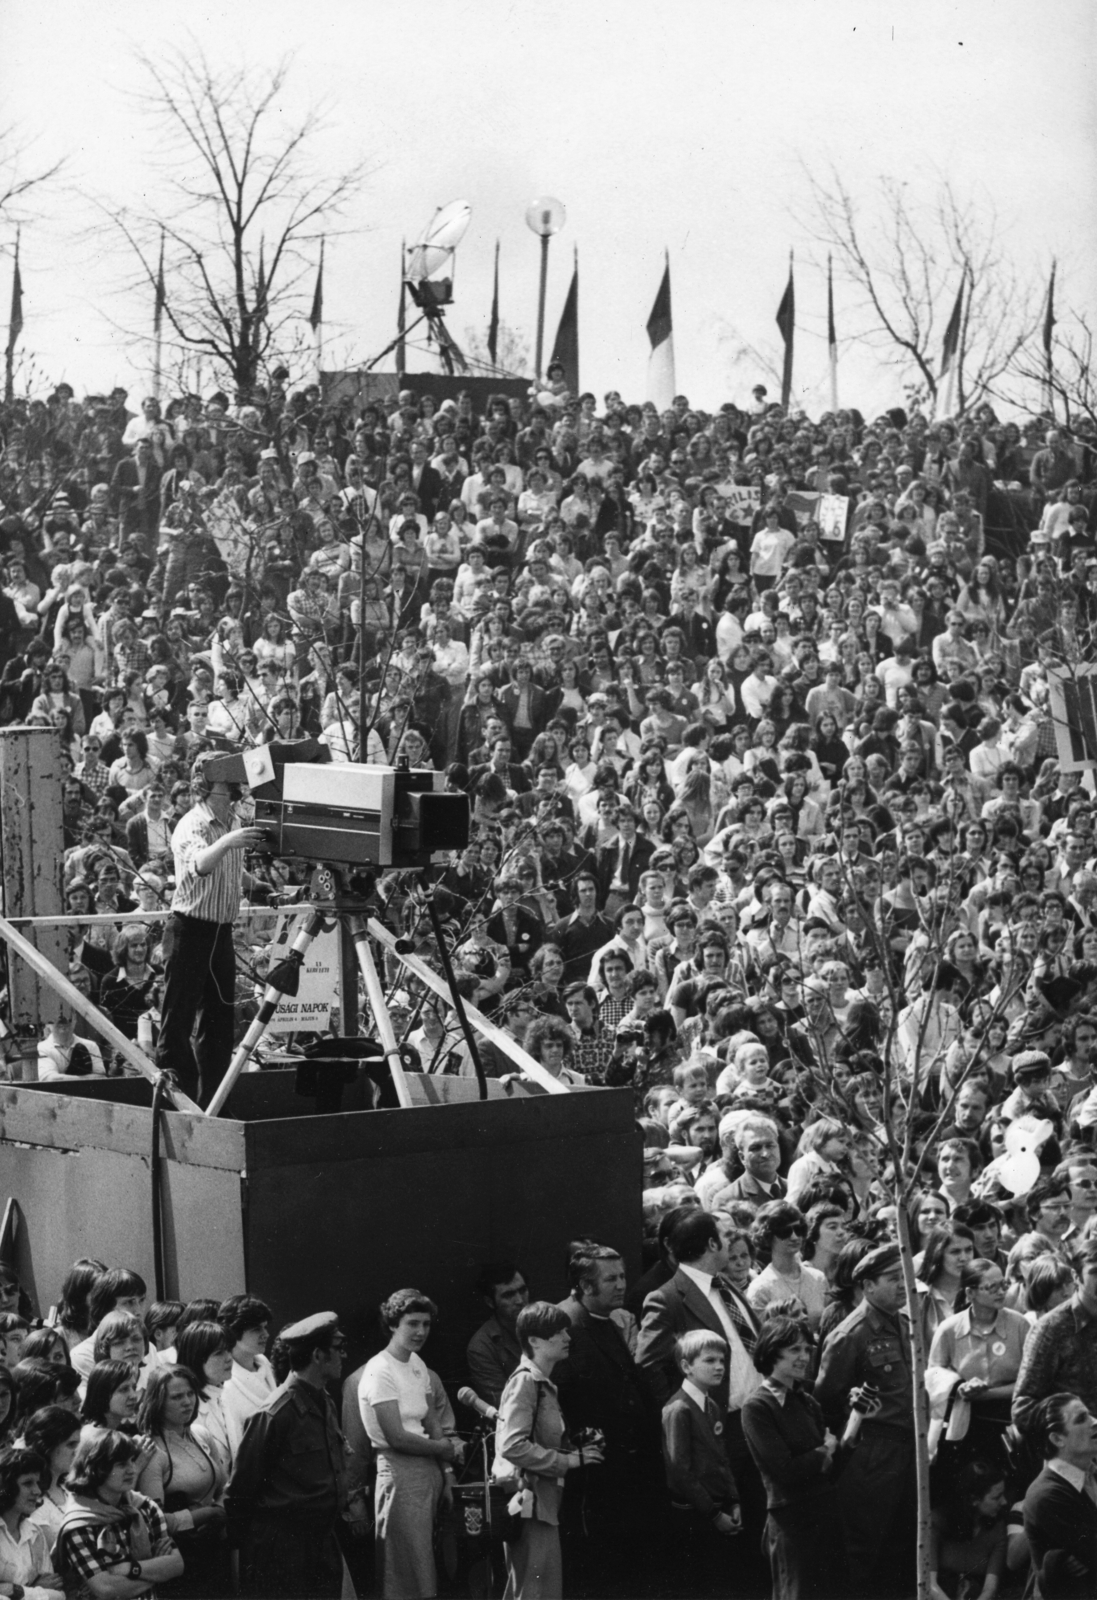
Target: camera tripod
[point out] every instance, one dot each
(337, 904)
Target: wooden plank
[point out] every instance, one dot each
(93, 1202)
(32, 841)
(475, 1125)
(90, 1012)
(503, 1041)
(64, 1122)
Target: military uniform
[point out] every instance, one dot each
(877, 1490)
(287, 1491)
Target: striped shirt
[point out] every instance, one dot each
(215, 897)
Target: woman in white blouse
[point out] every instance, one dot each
(396, 1399)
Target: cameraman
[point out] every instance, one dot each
(200, 961)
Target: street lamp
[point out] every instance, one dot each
(544, 217)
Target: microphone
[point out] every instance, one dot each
(469, 1397)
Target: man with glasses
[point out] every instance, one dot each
(1079, 1172)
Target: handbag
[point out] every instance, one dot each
(513, 1521)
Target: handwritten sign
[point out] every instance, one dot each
(741, 501)
(832, 515)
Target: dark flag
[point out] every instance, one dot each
(1049, 314)
(786, 321)
(316, 315)
(661, 335)
(158, 321)
(493, 325)
(15, 325)
(832, 339)
(946, 384)
(566, 348)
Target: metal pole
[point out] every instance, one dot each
(376, 996)
(541, 301)
(458, 1003)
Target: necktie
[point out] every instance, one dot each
(741, 1316)
(626, 862)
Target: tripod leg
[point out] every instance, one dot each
(376, 995)
(306, 933)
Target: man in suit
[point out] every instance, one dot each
(615, 1521)
(512, 925)
(584, 931)
(700, 1296)
(523, 705)
(620, 865)
(425, 480)
(754, 1146)
(547, 799)
(512, 775)
(135, 494)
(148, 833)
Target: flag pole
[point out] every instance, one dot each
(158, 324)
(1049, 327)
(15, 326)
(401, 314)
(832, 341)
(493, 321)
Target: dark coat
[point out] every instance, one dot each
(605, 865)
(698, 1471)
(530, 935)
(1061, 1527)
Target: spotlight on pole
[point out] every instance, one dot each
(544, 217)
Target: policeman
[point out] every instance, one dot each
(877, 1489)
(287, 1489)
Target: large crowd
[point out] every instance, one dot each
(769, 828)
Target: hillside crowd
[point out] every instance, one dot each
(771, 827)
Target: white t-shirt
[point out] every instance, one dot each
(407, 1382)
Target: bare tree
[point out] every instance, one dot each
(512, 350)
(1066, 385)
(19, 174)
(906, 259)
(242, 210)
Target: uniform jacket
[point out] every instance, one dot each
(868, 1347)
(292, 1458)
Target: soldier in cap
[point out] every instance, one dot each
(200, 976)
(287, 1489)
(876, 1492)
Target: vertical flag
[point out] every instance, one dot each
(1049, 328)
(493, 325)
(566, 348)
(661, 335)
(946, 383)
(832, 339)
(158, 323)
(401, 311)
(15, 325)
(261, 288)
(786, 321)
(316, 315)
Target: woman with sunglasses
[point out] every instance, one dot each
(777, 1234)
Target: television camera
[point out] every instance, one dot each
(354, 821)
(347, 815)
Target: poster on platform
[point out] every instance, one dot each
(310, 1009)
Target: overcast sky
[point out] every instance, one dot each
(677, 127)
